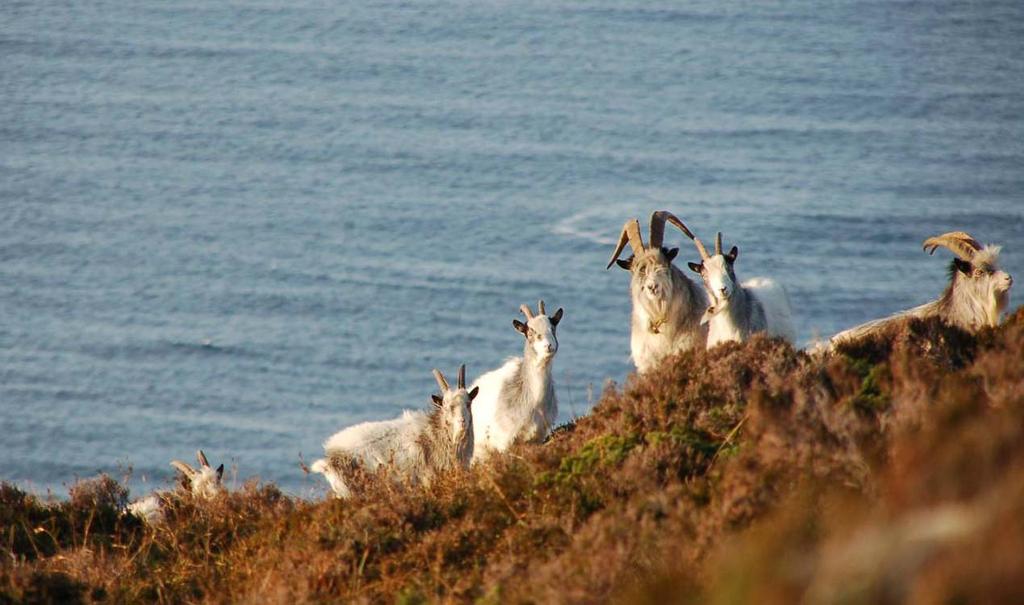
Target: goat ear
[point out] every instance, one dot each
(437, 400)
(557, 317)
(670, 253)
(733, 254)
(962, 266)
(625, 263)
(695, 267)
(474, 393)
(519, 326)
(220, 472)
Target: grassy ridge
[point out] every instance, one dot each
(891, 472)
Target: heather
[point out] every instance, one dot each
(890, 472)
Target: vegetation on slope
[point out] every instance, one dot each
(890, 472)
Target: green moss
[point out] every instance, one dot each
(872, 396)
(601, 452)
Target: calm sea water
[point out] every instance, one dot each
(242, 226)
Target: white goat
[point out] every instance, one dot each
(738, 311)
(203, 483)
(667, 305)
(977, 295)
(417, 445)
(518, 400)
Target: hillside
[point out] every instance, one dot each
(892, 472)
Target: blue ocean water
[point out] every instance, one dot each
(242, 226)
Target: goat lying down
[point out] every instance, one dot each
(416, 446)
(667, 305)
(977, 294)
(203, 483)
(738, 311)
(517, 401)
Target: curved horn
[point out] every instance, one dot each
(201, 457)
(958, 242)
(700, 248)
(630, 233)
(462, 376)
(441, 382)
(540, 308)
(718, 243)
(526, 311)
(185, 469)
(658, 227)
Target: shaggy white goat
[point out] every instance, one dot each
(738, 311)
(976, 297)
(518, 400)
(203, 483)
(667, 305)
(417, 445)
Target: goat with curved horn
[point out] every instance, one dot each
(667, 305)
(977, 294)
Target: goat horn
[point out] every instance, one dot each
(526, 311)
(462, 376)
(658, 227)
(185, 469)
(700, 248)
(718, 243)
(201, 457)
(441, 382)
(540, 308)
(958, 242)
(630, 233)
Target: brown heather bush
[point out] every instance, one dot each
(890, 472)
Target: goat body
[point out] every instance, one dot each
(667, 305)
(739, 310)
(758, 305)
(417, 445)
(517, 401)
(203, 483)
(977, 294)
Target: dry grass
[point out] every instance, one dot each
(892, 472)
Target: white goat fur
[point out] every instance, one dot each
(517, 401)
(977, 294)
(203, 483)
(667, 305)
(740, 310)
(417, 445)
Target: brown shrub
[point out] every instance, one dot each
(889, 472)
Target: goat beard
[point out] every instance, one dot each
(463, 452)
(1000, 301)
(657, 314)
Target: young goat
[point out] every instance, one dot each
(518, 401)
(977, 294)
(417, 445)
(667, 305)
(737, 311)
(203, 483)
